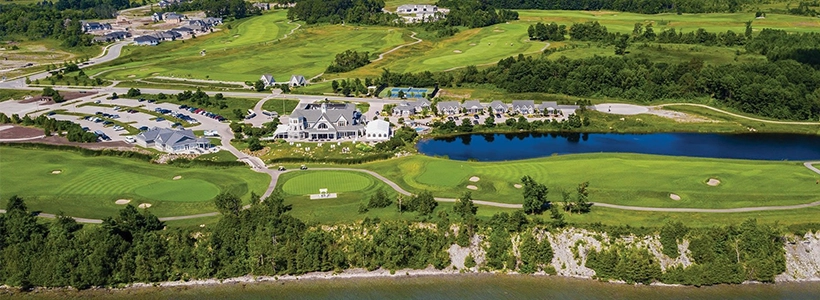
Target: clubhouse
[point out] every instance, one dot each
(172, 141)
(324, 122)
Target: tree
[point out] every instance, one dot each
(581, 204)
(466, 125)
(254, 144)
(557, 217)
(228, 204)
(423, 203)
(637, 31)
(401, 94)
(649, 33)
(621, 44)
(335, 86)
(535, 195)
(489, 121)
(114, 96)
(748, 32)
(259, 85)
(464, 207)
(132, 92)
(379, 200)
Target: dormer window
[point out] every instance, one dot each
(322, 126)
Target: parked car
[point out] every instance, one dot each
(51, 113)
(498, 116)
(303, 167)
(475, 117)
(143, 128)
(85, 129)
(130, 139)
(281, 168)
(160, 119)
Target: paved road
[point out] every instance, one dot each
(109, 53)
(809, 165)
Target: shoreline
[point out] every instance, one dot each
(362, 274)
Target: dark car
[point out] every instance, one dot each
(143, 128)
(475, 117)
(85, 129)
(183, 106)
(152, 101)
(141, 99)
(475, 122)
(98, 113)
(498, 116)
(160, 119)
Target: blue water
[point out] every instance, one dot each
(497, 147)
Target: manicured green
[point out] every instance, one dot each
(183, 190)
(88, 186)
(335, 182)
(254, 46)
(625, 179)
(282, 106)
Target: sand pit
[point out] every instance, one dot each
(674, 197)
(177, 177)
(713, 182)
(518, 186)
(474, 179)
(56, 172)
(122, 201)
(472, 44)
(144, 205)
(456, 51)
(472, 187)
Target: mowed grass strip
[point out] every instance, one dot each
(310, 182)
(625, 179)
(89, 186)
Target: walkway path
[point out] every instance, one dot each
(742, 116)
(381, 56)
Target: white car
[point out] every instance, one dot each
(130, 139)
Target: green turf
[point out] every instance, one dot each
(89, 186)
(183, 190)
(282, 106)
(626, 179)
(252, 48)
(336, 182)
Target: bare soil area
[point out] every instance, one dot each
(18, 132)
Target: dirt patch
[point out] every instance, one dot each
(678, 116)
(177, 177)
(498, 30)
(132, 76)
(713, 182)
(472, 44)
(56, 172)
(474, 179)
(144, 205)
(518, 186)
(36, 99)
(472, 187)
(58, 140)
(456, 51)
(674, 197)
(123, 201)
(19, 132)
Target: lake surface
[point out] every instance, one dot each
(497, 147)
(461, 287)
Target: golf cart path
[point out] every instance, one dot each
(258, 166)
(741, 116)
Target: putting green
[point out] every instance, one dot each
(185, 190)
(444, 173)
(334, 181)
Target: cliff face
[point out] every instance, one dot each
(802, 258)
(572, 246)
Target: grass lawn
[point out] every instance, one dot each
(670, 53)
(89, 186)
(626, 179)
(16, 94)
(218, 156)
(253, 47)
(282, 106)
(715, 22)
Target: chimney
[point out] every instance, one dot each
(324, 108)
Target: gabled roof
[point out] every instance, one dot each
(448, 105)
(298, 78)
(146, 38)
(472, 104)
(378, 126)
(313, 113)
(268, 78)
(523, 103)
(551, 104)
(498, 104)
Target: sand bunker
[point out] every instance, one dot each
(713, 182)
(472, 187)
(518, 186)
(177, 177)
(132, 76)
(474, 179)
(144, 205)
(122, 201)
(472, 44)
(674, 197)
(456, 51)
(56, 172)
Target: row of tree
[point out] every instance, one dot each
(72, 131)
(638, 6)
(340, 11)
(35, 22)
(236, 9)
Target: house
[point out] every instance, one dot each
(172, 141)
(416, 8)
(156, 17)
(167, 35)
(173, 18)
(211, 21)
(268, 80)
(378, 130)
(473, 106)
(498, 107)
(448, 107)
(297, 80)
(112, 36)
(406, 108)
(183, 30)
(524, 107)
(146, 40)
(325, 121)
(549, 108)
(262, 5)
(95, 26)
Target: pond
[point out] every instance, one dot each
(513, 146)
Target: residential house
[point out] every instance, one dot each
(167, 35)
(112, 36)
(146, 40)
(170, 140)
(268, 80)
(549, 108)
(297, 80)
(95, 26)
(448, 107)
(378, 130)
(156, 17)
(168, 3)
(406, 108)
(473, 106)
(416, 8)
(325, 121)
(524, 107)
(262, 5)
(498, 107)
(211, 21)
(183, 30)
(173, 18)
